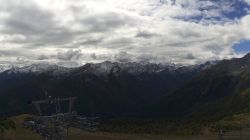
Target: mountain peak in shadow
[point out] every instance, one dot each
(247, 56)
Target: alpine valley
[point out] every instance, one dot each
(133, 90)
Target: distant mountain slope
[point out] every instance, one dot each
(104, 89)
(221, 90)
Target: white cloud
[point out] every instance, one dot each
(75, 32)
(248, 1)
(69, 55)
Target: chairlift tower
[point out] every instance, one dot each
(56, 102)
(55, 126)
(52, 127)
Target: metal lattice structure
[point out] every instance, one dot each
(55, 126)
(55, 101)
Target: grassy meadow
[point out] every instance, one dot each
(230, 123)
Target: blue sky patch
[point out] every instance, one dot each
(219, 11)
(242, 47)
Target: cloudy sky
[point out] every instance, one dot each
(74, 32)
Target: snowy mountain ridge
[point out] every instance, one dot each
(100, 68)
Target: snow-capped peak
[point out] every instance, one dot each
(5, 67)
(130, 67)
(36, 68)
(101, 68)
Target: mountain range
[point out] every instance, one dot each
(219, 91)
(207, 91)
